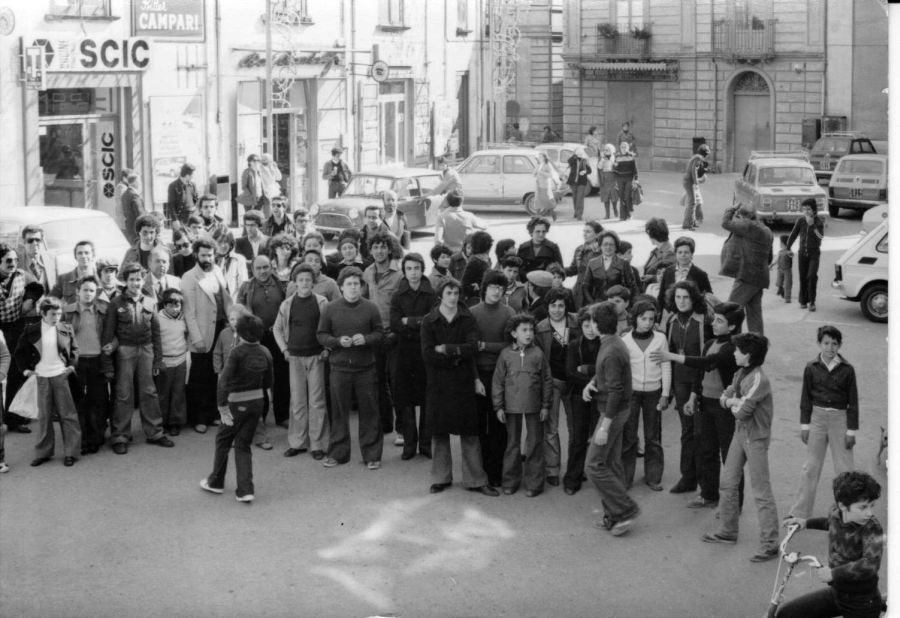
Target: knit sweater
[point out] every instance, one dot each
(249, 367)
(613, 376)
(342, 318)
(646, 375)
(854, 551)
(173, 333)
(491, 320)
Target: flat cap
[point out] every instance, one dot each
(540, 278)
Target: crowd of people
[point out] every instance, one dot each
(487, 343)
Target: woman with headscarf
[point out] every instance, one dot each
(608, 179)
(579, 173)
(625, 170)
(270, 177)
(592, 146)
(547, 181)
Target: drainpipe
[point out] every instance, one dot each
(218, 48)
(825, 59)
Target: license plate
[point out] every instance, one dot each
(825, 165)
(793, 203)
(855, 192)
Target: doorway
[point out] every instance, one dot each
(751, 118)
(392, 108)
(631, 102)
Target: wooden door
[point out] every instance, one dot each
(631, 102)
(752, 128)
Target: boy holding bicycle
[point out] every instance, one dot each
(855, 546)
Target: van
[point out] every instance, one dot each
(862, 273)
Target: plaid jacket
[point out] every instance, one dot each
(11, 293)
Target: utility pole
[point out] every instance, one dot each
(269, 143)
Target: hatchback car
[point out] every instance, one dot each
(411, 184)
(829, 148)
(862, 273)
(859, 183)
(559, 154)
(500, 177)
(63, 227)
(776, 183)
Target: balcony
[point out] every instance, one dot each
(633, 44)
(744, 41)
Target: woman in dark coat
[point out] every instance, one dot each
(584, 253)
(607, 270)
(449, 344)
(412, 301)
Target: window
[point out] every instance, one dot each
(406, 188)
(462, 18)
(291, 12)
(516, 164)
(629, 14)
(391, 14)
(79, 9)
(860, 166)
(484, 164)
(428, 183)
(882, 246)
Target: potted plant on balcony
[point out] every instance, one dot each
(609, 34)
(642, 34)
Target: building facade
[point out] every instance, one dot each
(740, 75)
(90, 87)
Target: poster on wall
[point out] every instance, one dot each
(169, 19)
(176, 138)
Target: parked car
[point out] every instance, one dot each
(411, 184)
(63, 227)
(859, 182)
(500, 177)
(862, 273)
(829, 148)
(776, 183)
(559, 154)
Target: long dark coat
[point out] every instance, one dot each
(409, 375)
(451, 377)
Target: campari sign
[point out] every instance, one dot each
(170, 19)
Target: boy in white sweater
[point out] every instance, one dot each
(651, 383)
(170, 383)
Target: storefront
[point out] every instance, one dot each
(82, 120)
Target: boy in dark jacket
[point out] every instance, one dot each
(240, 398)
(48, 350)
(582, 420)
(810, 229)
(855, 547)
(523, 391)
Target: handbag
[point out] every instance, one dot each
(25, 403)
(698, 199)
(637, 193)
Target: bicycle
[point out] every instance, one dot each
(792, 559)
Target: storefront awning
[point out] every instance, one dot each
(631, 71)
(625, 66)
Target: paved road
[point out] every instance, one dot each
(135, 536)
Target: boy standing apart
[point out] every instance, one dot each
(522, 392)
(829, 416)
(784, 281)
(749, 397)
(295, 333)
(170, 381)
(855, 547)
(604, 457)
(48, 349)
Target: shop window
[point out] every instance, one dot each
(79, 9)
(75, 101)
(391, 15)
(629, 14)
(291, 12)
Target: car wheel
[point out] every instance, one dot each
(833, 210)
(530, 206)
(874, 302)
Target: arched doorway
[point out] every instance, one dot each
(751, 117)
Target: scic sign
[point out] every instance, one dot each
(108, 161)
(95, 55)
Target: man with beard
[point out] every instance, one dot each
(214, 226)
(233, 265)
(206, 304)
(263, 295)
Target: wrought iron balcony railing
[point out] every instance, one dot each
(744, 40)
(633, 43)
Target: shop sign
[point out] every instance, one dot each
(34, 68)
(106, 195)
(95, 55)
(380, 71)
(176, 19)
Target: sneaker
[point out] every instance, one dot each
(399, 441)
(621, 527)
(373, 465)
(702, 503)
(330, 462)
(764, 555)
(3, 467)
(244, 498)
(266, 446)
(204, 485)
(803, 305)
(716, 538)
(812, 306)
(200, 428)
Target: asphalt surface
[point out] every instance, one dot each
(135, 536)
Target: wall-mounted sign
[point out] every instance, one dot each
(94, 55)
(380, 70)
(7, 21)
(175, 19)
(34, 67)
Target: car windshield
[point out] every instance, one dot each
(780, 176)
(63, 234)
(861, 166)
(833, 145)
(362, 184)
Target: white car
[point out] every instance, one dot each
(63, 227)
(862, 273)
(500, 179)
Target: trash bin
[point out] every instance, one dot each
(696, 143)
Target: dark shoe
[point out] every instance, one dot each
(764, 555)
(407, 455)
(682, 488)
(803, 305)
(38, 461)
(508, 491)
(485, 490)
(164, 441)
(283, 424)
(318, 455)
(69, 462)
(439, 487)
(293, 452)
(120, 448)
(425, 453)
(20, 429)
(654, 486)
(174, 430)
(715, 538)
(495, 483)
(531, 493)
(702, 503)
(570, 491)
(812, 306)
(553, 480)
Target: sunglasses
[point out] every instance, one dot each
(32, 241)
(183, 245)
